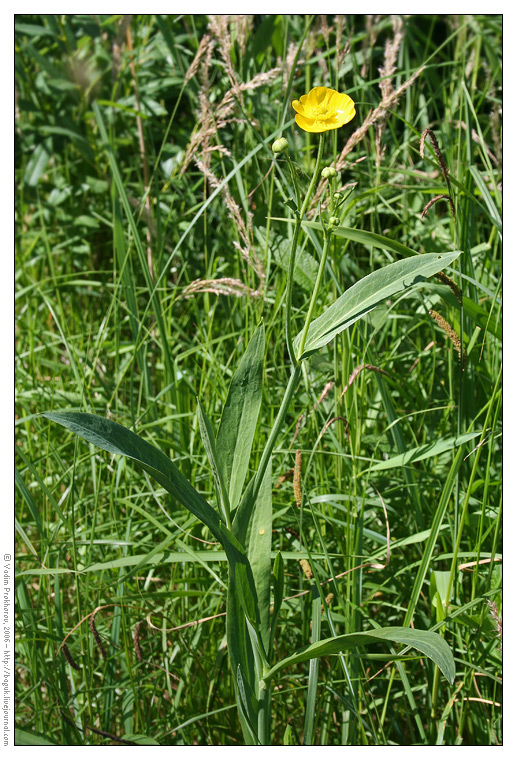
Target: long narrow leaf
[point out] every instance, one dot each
(239, 419)
(368, 293)
(430, 644)
(207, 436)
(116, 439)
(278, 592)
(364, 237)
(259, 550)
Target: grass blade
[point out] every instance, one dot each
(419, 453)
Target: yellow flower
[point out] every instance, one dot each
(323, 109)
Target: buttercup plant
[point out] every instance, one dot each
(242, 519)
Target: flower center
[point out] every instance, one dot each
(322, 112)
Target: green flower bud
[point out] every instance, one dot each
(328, 172)
(337, 196)
(334, 221)
(280, 145)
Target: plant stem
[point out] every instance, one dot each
(284, 406)
(264, 715)
(312, 304)
(292, 257)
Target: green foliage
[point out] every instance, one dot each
(368, 293)
(429, 643)
(153, 230)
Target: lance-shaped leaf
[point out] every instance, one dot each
(207, 436)
(430, 644)
(239, 419)
(278, 592)
(368, 293)
(116, 439)
(259, 550)
(364, 237)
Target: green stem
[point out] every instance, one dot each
(284, 406)
(314, 296)
(264, 715)
(295, 183)
(292, 257)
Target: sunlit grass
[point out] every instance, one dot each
(148, 250)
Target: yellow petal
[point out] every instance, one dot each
(340, 101)
(306, 124)
(317, 96)
(298, 107)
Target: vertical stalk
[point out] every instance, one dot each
(284, 406)
(310, 705)
(314, 296)
(292, 257)
(264, 714)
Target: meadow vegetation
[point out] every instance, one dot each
(154, 231)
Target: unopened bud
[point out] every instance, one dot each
(334, 221)
(280, 145)
(328, 172)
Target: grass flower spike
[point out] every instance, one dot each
(323, 109)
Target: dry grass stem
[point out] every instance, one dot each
(288, 64)
(476, 138)
(136, 640)
(374, 116)
(116, 51)
(287, 475)
(243, 26)
(218, 27)
(499, 625)
(297, 478)
(417, 360)
(495, 131)
(325, 29)
(369, 41)
(329, 423)
(202, 50)
(387, 71)
(356, 371)
(326, 390)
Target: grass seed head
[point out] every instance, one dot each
(451, 334)
(304, 564)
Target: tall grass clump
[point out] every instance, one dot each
(258, 380)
